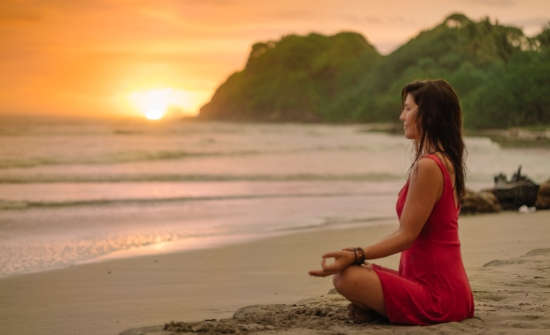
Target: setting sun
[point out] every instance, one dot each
(155, 104)
(154, 114)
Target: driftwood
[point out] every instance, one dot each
(516, 192)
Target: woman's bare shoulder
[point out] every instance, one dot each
(424, 169)
(426, 183)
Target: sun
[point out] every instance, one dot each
(154, 104)
(154, 114)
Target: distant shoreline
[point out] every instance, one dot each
(513, 137)
(516, 137)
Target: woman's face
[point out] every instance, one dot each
(409, 118)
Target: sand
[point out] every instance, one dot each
(505, 256)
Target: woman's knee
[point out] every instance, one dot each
(361, 285)
(348, 278)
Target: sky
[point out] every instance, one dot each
(128, 58)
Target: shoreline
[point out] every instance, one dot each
(201, 243)
(534, 136)
(112, 296)
(216, 242)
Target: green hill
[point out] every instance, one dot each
(294, 79)
(500, 74)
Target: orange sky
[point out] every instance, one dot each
(87, 57)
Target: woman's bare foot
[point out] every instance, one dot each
(361, 315)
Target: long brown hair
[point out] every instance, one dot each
(439, 120)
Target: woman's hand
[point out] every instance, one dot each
(342, 259)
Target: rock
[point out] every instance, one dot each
(543, 196)
(479, 202)
(513, 194)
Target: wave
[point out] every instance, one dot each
(122, 157)
(139, 156)
(196, 178)
(23, 204)
(331, 222)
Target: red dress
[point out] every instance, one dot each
(431, 285)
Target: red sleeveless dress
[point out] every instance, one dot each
(431, 285)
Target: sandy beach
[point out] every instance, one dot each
(509, 276)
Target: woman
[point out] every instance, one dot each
(431, 285)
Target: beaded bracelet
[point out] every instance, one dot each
(361, 259)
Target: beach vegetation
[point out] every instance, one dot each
(501, 75)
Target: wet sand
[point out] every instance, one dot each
(504, 255)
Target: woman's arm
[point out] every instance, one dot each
(425, 188)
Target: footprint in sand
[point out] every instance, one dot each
(536, 252)
(498, 262)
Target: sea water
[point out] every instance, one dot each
(74, 191)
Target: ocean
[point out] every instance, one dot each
(77, 191)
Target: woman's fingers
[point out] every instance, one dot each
(332, 268)
(333, 254)
(319, 273)
(322, 272)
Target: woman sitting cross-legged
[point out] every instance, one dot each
(431, 285)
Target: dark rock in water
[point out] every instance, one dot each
(519, 191)
(543, 197)
(479, 202)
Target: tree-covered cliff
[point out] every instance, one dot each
(297, 78)
(502, 76)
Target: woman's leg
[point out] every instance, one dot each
(361, 286)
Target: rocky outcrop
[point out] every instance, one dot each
(479, 202)
(517, 192)
(543, 196)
